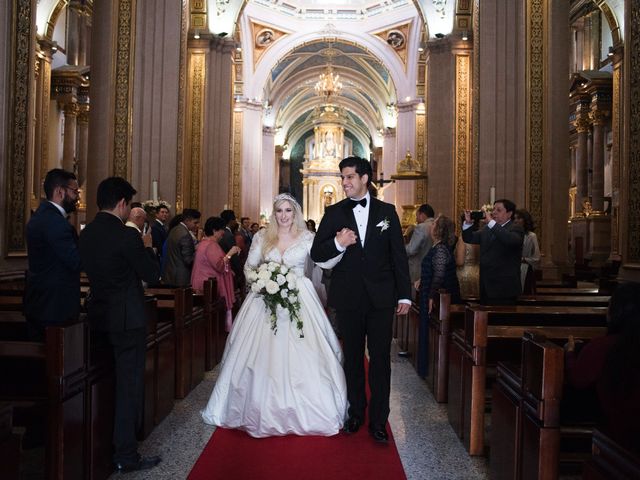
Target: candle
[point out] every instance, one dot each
(226, 207)
(154, 191)
(492, 195)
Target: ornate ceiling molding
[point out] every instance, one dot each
(264, 36)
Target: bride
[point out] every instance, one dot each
(277, 381)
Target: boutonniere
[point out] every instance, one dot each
(383, 225)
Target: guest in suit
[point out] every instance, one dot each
(421, 241)
(245, 230)
(368, 285)
(500, 253)
(212, 262)
(159, 228)
(438, 272)
(228, 240)
(52, 294)
(181, 250)
(117, 259)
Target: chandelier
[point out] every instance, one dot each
(328, 84)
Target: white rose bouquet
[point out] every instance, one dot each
(278, 286)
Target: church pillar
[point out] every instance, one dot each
(43, 96)
(110, 126)
(597, 117)
(252, 169)
(548, 189)
(82, 147)
(21, 15)
(440, 108)
(270, 166)
(406, 142)
(69, 139)
(582, 159)
(630, 186)
(389, 162)
(617, 107)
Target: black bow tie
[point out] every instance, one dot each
(354, 203)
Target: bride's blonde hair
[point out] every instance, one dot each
(270, 237)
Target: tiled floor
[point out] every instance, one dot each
(427, 445)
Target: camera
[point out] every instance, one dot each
(477, 215)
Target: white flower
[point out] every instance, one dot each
(281, 279)
(272, 266)
(284, 293)
(252, 276)
(383, 225)
(293, 298)
(260, 283)
(272, 287)
(263, 267)
(264, 275)
(292, 280)
(255, 288)
(283, 269)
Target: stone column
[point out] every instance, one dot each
(253, 168)
(83, 143)
(69, 136)
(582, 160)
(598, 118)
(270, 166)
(389, 162)
(43, 96)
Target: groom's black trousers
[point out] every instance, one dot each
(374, 325)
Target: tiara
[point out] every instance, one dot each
(288, 197)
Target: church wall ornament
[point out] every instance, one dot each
(264, 37)
(124, 66)
(396, 38)
(462, 150)
(632, 166)
(536, 49)
(182, 82)
(22, 73)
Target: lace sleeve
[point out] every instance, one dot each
(439, 269)
(254, 257)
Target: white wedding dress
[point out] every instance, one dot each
(278, 383)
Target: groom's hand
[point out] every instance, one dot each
(403, 308)
(346, 237)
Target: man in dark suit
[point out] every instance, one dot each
(227, 241)
(368, 284)
(52, 294)
(181, 250)
(117, 259)
(159, 228)
(500, 253)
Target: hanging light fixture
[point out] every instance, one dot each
(329, 83)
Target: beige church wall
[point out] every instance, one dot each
(502, 100)
(155, 99)
(440, 133)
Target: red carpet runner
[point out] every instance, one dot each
(234, 455)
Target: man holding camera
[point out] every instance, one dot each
(500, 253)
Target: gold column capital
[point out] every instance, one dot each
(598, 116)
(582, 123)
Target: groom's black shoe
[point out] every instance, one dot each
(352, 425)
(379, 435)
(143, 463)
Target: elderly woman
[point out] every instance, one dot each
(438, 272)
(211, 262)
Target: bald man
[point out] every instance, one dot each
(136, 219)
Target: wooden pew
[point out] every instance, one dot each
(10, 443)
(444, 320)
(609, 460)
(189, 334)
(567, 291)
(215, 316)
(565, 300)
(492, 334)
(51, 376)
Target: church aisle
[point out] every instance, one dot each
(426, 443)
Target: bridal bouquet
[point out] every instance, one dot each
(278, 286)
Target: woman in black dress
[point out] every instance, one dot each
(438, 272)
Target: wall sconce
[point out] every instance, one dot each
(196, 34)
(465, 35)
(54, 46)
(610, 54)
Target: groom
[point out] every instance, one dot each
(369, 283)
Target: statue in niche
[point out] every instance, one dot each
(329, 145)
(328, 196)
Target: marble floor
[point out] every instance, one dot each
(427, 445)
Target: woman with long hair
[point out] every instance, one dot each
(282, 367)
(468, 266)
(530, 251)
(438, 272)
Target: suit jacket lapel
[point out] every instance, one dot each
(373, 220)
(351, 219)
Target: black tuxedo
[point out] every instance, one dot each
(52, 293)
(116, 262)
(158, 235)
(365, 288)
(500, 257)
